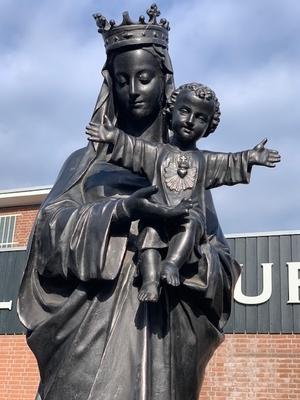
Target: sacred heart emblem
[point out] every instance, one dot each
(179, 175)
(182, 172)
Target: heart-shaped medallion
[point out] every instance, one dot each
(182, 172)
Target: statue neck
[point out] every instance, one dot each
(152, 131)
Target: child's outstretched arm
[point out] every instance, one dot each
(130, 152)
(260, 155)
(232, 168)
(105, 133)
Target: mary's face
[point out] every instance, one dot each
(138, 84)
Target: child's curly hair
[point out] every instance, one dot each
(204, 93)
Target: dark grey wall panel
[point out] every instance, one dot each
(286, 309)
(251, 283)
(295, 244)
(263, 310)
(273, 316)
(11, 271)
(230, 323)
(276, 315)
(240, 309)
(275, 301)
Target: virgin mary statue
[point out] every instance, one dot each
(92, 338)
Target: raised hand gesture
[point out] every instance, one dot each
(260, 155)
(105, 132)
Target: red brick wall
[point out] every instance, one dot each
(254, 367)
(25, 219)
(18, 370)
(245, 367)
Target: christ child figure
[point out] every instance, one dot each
(181, 172)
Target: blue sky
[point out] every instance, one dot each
(247, 51)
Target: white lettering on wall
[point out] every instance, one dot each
(6, 305)
(266, 289)
(294, 282)
(240, 297)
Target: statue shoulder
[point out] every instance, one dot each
(72, 170)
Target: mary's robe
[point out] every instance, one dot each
(92, 338)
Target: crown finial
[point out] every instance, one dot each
(102, 23)
(153, 12)
(142, 19)
(126, 19)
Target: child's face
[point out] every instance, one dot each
(191, 117)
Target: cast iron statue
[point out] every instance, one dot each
(129, 279)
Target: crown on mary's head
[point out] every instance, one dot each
(130, 33)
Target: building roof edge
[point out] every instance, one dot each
(23, 196)
(35, 195)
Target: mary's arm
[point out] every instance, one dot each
(72, 244)
(72, 239)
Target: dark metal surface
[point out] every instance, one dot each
(12, 264)
(275, 315)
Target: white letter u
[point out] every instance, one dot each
(266, 292)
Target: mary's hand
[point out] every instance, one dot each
(138, 206)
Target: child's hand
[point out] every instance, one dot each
(259, 155)
(101, 132)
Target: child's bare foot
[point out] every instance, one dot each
(149, 292)
(170, 273)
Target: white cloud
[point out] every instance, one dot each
(248, 52)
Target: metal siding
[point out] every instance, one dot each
(275, 300)
(11, 270)
(251, 283)
(230, 324)
(240, 309)
(286, 309)
(263, 310)
(295, 249)
(274, 316)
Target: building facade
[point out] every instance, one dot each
(260, 356)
